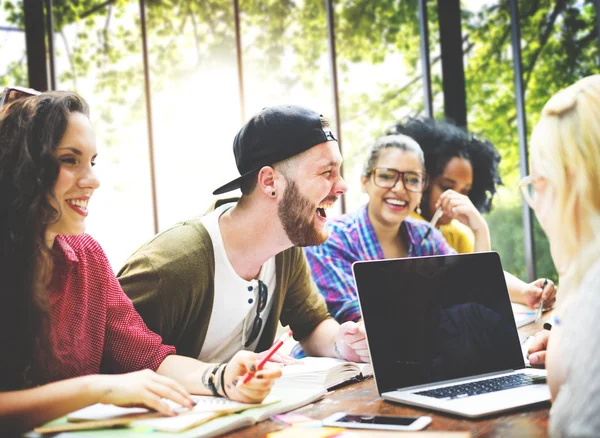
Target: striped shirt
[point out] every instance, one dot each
(353, 238)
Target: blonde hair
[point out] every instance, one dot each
(566, 149)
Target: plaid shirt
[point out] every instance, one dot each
(353, 238)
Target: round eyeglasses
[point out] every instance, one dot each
(387, 178)
(527, 186)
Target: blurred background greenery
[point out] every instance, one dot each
(195, 93)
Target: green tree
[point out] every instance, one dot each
(558, 46)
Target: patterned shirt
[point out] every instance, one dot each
(94, 327)
(352, 239)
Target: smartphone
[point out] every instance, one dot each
(383, 422)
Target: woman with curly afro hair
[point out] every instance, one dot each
(462, 168)
(463, 174)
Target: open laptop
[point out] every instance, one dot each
(442, 334)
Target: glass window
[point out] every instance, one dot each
(13, 56)
(100, 58)
(491, 112)
(560, 46)
(378, 56)
(195, 103)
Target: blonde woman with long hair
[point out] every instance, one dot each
(563, 191)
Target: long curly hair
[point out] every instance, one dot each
(441, 141)
(30, 130)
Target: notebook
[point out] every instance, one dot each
(322, 372)
(101, 415)
(208, 423)
(442, 334)
(523, 315)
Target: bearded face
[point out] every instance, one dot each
(297, 215)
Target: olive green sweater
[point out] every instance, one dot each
(170, 280)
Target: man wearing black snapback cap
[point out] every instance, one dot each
(221, 283)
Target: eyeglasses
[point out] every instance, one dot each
(329, 136)
(387, 178)
(10, 94)
(527, 186)
(258, 322)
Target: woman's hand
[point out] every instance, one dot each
(460, 207)
(142, 388)
(258, 387)
(532, 293)
(537, 349)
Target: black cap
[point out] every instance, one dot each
(273, 135)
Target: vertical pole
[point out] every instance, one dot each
(334, 81)
(50, 26)
(238, 47)
(453, 72)
(149, 113)
(425, 64)
(597, 3)
(522, 129)
(35, 43)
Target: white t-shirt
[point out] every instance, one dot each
(235, 299)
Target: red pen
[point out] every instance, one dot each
(276, 346)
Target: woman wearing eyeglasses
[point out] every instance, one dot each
(563, 192)
(394, 178)
(68, 333)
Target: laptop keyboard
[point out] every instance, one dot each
(483, 386)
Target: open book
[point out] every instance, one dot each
(199, 422)
(523, 314)
(322, 372)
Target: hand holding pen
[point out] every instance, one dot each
(542, 290)
(255, 389)
(276, 346)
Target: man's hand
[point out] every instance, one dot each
(532, 293)
(537, 350)
(351, 342)
(258, 387)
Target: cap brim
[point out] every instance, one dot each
(232, 185)
(235, 184)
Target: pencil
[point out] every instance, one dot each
(265, 359)
(436, 217)
(541, 308)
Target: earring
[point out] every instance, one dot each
(273, 193)
(418, 210)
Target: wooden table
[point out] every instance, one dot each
(363, 398)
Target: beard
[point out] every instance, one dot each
(296, 214)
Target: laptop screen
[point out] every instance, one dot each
(437, 318)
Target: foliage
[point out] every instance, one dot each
(507, 223)
(558, 47)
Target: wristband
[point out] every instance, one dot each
(212, 380)
(223, 380)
